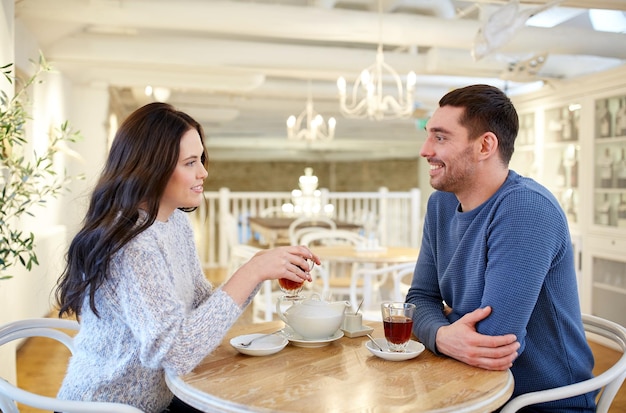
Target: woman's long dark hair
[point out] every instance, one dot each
(142, 158)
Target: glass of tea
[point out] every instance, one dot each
(291, 288)
(398, 324)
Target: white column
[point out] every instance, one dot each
(7, 47)
(87, 111)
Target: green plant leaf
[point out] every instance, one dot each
(25, 181)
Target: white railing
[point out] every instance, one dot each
(398, 216)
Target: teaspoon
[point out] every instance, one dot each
(375, 343)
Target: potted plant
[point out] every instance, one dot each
(27, 178)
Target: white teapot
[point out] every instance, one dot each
(313, 318)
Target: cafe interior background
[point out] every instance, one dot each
(257, 74)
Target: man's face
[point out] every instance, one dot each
(448, 151)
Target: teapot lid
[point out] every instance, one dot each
(319, 306)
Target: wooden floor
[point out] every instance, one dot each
(41, 365)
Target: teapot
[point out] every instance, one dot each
(313, 318)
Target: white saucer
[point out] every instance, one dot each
(413, 349)
(358, 333)
(299, 341)
(261, 347)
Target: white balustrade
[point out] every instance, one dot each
(396, 216)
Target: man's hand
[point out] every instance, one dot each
(461, 341)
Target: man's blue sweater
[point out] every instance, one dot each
(513, 253)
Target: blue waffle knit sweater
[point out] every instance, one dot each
(513, 253)
(157, 312)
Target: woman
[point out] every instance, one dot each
(133, 277)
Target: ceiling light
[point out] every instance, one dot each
(160, 94)
(608, 20)
(368, 99)
(310, 125)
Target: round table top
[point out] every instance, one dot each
(342, 376)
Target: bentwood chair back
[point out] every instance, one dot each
(333, 277)
(262, 303)
(303, 225)
(608, 382)
(333, 237)
(51, 328)
(368, 286)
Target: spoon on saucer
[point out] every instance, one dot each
(258, 337)
(375, 343)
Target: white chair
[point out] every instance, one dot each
(368, 285)
(238, 255)
(51, 328)
(609, 381)
(333, 278)
(303, 225)
(262, 303)
(333, 237)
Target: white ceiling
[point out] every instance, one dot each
(242, 67)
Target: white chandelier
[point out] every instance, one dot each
(368, 99)
(307, 200)
(310, 125)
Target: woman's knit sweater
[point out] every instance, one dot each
(157, 312)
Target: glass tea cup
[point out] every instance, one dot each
(398, 324)
(292, 289)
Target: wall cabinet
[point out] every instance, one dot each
(547, 149)
(605, 287)
(610, 162)
(573, 140)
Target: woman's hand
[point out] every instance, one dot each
(281, 262)
(284, 262)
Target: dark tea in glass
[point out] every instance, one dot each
(398, 329)
(289, 287)
(398, 324)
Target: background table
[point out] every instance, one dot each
(343, 376)
(349, 254)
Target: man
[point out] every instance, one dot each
(495, 282)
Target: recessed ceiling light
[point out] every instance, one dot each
(608, 20)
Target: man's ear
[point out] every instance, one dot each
(488, 145)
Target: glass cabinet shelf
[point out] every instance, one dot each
(561, 154)
(609, 289)
(610, 162)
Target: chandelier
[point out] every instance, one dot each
(310, 125)
(368, 99)
(307, 201)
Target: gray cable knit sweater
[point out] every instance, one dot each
(157, 312)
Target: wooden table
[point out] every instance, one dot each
(349, 254)
(276, 229)
(343, 376)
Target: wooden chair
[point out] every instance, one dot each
(609, 381)
(51, 328)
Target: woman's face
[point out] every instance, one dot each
(185, 186)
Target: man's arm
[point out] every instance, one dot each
(461, 341)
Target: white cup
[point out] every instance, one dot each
(352, 322)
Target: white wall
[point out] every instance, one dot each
(7, 358)
(87, 111)
(29, 293)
